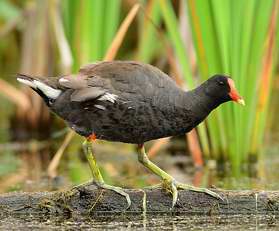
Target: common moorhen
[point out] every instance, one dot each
(130, 102)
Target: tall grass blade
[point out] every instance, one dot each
(229, 38)
(118, 39)
(148, 41)
(175, 37)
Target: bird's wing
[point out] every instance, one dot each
(87, 69)
(86, 94)
(73, 81)
(111, 79)
(82, 91)
(126, 75)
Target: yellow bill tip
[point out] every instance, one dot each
(241, 101)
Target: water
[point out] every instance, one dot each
(266, 179)
(136, 222)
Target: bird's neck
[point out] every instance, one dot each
(200, 103)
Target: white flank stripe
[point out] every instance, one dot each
(108, 97)
(100, 107)
(26, 82)
(63, 80)
(47, 90)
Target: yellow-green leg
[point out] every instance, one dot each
(97, 176)
(168, 181)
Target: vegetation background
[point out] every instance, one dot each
(189, 39)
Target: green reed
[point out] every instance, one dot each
(232, 38)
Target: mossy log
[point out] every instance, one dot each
(90, 199)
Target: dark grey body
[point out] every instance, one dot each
(149, 104)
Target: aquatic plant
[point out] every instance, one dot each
(236, 38)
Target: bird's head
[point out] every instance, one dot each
(222, 88)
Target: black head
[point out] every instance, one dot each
(221, 89)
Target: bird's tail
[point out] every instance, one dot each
(27, 80)
(43, 87)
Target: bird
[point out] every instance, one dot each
(131, 102)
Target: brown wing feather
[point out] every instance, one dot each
(87, 94)
(117, 77)
(87, 69)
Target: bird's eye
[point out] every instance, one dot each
(221, 82)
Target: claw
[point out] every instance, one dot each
(109, 187)
(97, 176)
(202, 190)
(173, 186)
(174, 192)
(144, 202)
(117, 190)
(168, 181)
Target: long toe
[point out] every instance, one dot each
(174, 193)
(173, 186)
(117, 190)
(201, 190)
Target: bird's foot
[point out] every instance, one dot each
(109, 187)
(117, 190)
(173, 186)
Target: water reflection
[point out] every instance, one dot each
(139, 222)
